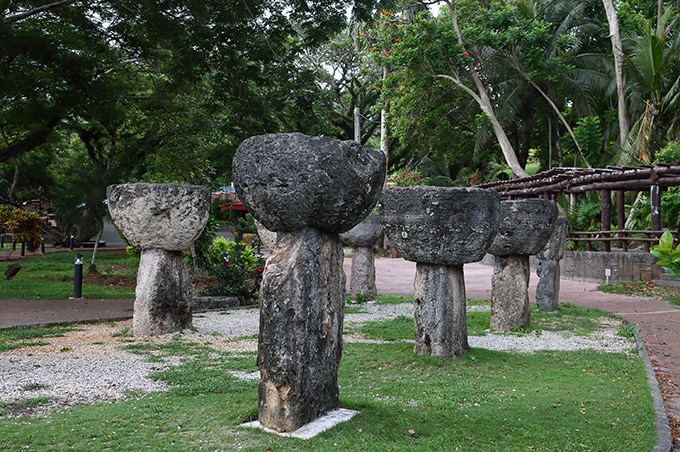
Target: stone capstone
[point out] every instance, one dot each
(163, 294)
(555, 247)
(362, 278)
(293, 181)
(509, 295)
(439, 311)
(525, 226)
(365, 234)
(440, 225)
(164, 216)
(302, 301)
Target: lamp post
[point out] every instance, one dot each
(78, 277)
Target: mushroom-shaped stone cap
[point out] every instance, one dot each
(554, 249)
(525, 226)
(291, 181)
(365, 234)
(440, 225)
(164, 216)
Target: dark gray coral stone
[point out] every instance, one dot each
(291, 181)
(440, 225)
(525, 226)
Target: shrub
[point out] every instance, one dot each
(25, 226)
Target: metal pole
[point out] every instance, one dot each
(42, 245)
(357, 126)
(78, 277)
(70, 243)
(23, 248)
(2, 240)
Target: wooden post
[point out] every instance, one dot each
(655, 195)
(605, 217)
(621, 217)
(357, 126)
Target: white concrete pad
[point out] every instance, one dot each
(307, 431)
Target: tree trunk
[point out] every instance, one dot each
(92, 269)
(482, 98)
(15, 181)
(617, 52)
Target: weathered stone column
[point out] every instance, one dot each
(363, 237)
(548, 270)
(308, 190)
(440, 229)
(162, 220)
(439, 311)
(509, 295)
(524, 228)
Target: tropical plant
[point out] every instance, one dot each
(669, 258)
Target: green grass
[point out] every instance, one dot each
(643, 289)
(568, 317)
(354, 310)
(548, 401)
(11, 338)
(50, 276)
(393, 299)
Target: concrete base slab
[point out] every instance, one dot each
(310, 430)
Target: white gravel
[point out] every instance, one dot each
(88, 366)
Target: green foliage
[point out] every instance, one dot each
(406, 178)
(25, 226)
(669, 257)
(669, 154)
(237, 268)
(586, 215)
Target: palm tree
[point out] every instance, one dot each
(653, 88)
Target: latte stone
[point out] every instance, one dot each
(440, 228)
(308, 190)
(363, 238)
(162, 220)
(524, 228)
(548, 270)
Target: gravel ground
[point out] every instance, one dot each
(87, 365)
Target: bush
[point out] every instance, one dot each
(237, 268)
(25, 226)
(669, 154)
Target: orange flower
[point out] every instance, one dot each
(384, 54)
(397, 40)
(362, 34)
(374, 87)
(466, 54)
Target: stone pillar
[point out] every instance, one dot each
(163, 294)
(548, 287)
(301, 318)
(440, 228)
(525, 227)
(509, 295)
(362, 280)
(548, 271)
(439, 311)
(307, 190)
(162, 220)
(363, 237)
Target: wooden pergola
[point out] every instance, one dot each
(574, 181)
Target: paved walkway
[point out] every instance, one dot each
(657, 320)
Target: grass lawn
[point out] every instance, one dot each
(643, 289)
(50, 276)
(568, 317)
(486, 400)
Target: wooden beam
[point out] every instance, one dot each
(621, 216)
(606, 217)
